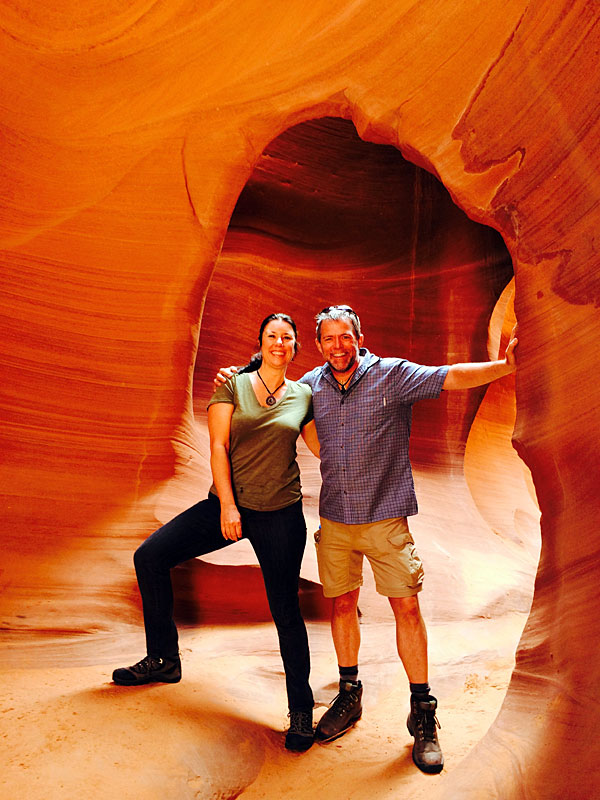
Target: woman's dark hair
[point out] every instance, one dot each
(256, 360)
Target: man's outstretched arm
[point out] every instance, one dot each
(467, 376)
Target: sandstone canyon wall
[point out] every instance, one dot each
(149, 146)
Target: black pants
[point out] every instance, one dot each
(278, 539)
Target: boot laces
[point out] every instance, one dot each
(427, 722)
(343, 703)
(146, 664)
(300, 721)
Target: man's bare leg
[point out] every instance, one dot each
(346, 709)
(345, 629)
(411, 640)
(411, 637)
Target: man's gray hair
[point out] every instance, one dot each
(338, 312)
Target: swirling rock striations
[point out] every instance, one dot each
(134, 134)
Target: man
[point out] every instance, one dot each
(362, 407)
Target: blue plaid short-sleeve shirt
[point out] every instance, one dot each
(364, 435)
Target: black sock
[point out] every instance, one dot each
(420, 690)
(349, 674)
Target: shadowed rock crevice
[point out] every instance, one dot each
(329, 216)
(105, 274)
(216, 594)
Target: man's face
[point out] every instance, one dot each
(339, 345)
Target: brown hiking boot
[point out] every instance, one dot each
(342, 714)
(422, 723)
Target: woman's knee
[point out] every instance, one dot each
(146, 555)
(286, 612)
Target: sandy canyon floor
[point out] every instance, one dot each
(68, 732)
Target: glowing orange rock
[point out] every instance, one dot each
(128, 133)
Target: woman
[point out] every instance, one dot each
(253, 421)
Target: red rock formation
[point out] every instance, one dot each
(128, 133)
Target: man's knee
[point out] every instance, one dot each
(406, 608)
(345, 604)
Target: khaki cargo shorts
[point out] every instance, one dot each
(389, 547)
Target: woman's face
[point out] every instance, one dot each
(278, 343)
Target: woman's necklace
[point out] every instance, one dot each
(270, 401)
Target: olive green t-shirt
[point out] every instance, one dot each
(262, 443)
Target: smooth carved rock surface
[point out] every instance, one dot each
(170, 172)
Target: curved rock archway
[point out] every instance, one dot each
(126, 142)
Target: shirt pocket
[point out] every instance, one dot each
(374, 419)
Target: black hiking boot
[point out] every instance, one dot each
(422, 723)
(149, 670)
(342, 714)
(300, 735)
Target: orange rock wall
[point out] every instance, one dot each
(128, 133)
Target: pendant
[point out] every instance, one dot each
(270, 401)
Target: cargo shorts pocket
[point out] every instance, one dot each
(403, 545)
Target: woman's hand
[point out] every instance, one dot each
(231, 522)
(219, 427)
